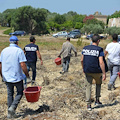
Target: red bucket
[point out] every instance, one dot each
(58, 61)
(119, 74)
(32, 93)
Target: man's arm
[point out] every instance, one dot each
(105, 53)
(39, 56)
(102, 65)
(24, 68)
(73, 48)
(82, 61)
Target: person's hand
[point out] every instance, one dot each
(59, 56)
(28, 80)
(75, 54)
(41, 62)
(103, 77)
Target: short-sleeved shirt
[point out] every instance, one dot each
(10, 58)
(30, 51)
(91, 58)
(113, 50)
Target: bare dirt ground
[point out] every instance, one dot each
(63, 96)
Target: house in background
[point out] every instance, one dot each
(114, 22)
(101, 17)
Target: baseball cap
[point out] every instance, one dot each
(13, 38)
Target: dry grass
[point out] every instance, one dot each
(64, 95)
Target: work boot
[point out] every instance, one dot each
(111, 86)
(98, 103)
(114, 87)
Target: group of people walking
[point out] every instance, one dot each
(95, 67)
(15, 65)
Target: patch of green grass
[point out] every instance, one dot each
(7, 31)
(50, 45)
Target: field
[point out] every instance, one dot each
(62, 96)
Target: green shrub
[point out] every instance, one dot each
(112, 30)
(7, 31)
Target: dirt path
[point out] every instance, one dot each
(63, 96)
(1, 32)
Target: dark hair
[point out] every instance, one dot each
(115, 37)
(32, 38)
(68, 38)
(95, 38)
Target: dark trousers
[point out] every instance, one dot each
(10, 91)
(32, 65)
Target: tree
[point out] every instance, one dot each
(59, 19)
(112, 30)
(78, 25)
(68, 25)
(30, 20)
(92, 28)
(78, 21)
(115, 15)
(6, 17)
(90, 17)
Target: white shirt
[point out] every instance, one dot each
(10, 58)
(113, 50)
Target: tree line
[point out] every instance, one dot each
(42, 21)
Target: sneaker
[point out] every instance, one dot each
(110, 87)
(98, 103)
(114, 87)
(89, 107)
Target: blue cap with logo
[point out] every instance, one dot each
(13, 38)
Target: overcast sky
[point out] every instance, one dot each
(106, 7)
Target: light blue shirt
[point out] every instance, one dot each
(10, 58)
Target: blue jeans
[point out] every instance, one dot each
(10, 91)
(66, 62)
(32, 65)
(114, 69)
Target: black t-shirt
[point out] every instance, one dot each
(30, 51)
(91, 58)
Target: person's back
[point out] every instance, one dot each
(12, 71)
(114, 52)
(12, 67)
(92, 62)
(91, 59)
(67, 47)
(30, 51)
